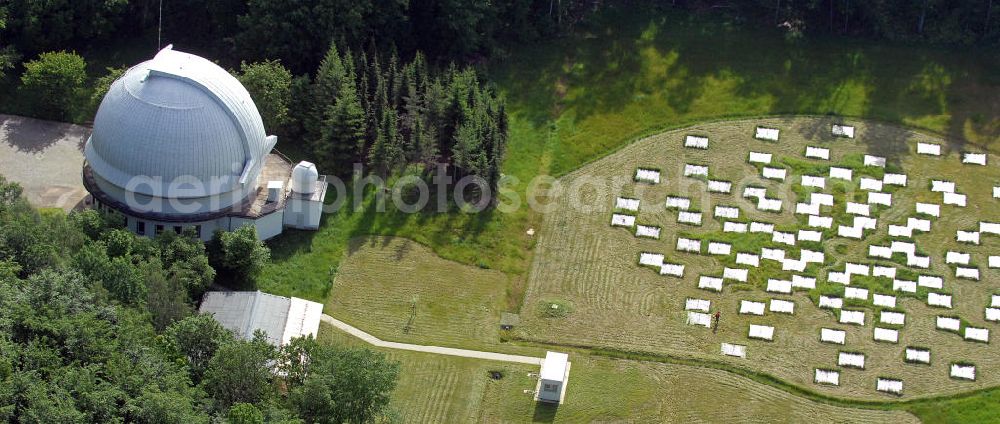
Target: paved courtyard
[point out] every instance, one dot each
(45, 157)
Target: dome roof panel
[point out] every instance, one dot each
(178, 116)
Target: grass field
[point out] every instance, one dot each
(582, 261)
(577, 98)
(435, 388)
(399, 290)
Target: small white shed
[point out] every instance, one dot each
(553, 377)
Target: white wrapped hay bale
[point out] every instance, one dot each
(871, 184)
(748, 259)
(894, 318)
(682, 203)
(817, 153)
(860, 209)
(734, 227)
(783, 238)
(673, 270)
(917, 355)
(941, 186)
(883, 271)
(918, 224)
(710, 283)
(955, 199)
(841, 173)
(838, 277)
(948, 323)
(876, 198)
(952, 257)
(769, 205)
(817, 221)
(894, 179)
(696, 142)
(764, 133)
(686, 217)
(647, 175)
(929, 209)
(889, 385)
(772, 254)
(813, 181)
(822, 199)
(851, 359)
(938, 299)
(695, 170)
(930, 149)
(977, 334)
(757, 157)
(827, 377)
(856, 269)
(852, 317)
(774, 173)
(727, 212)
(885, 301)
(748, 307)
(737, 274)
(621, 220)
(809, 235)
(697, 305)
(967, 273)
(974, 158)
(688, 245)
(719, 248)
(762, 332)
(761, 227)
(803, 282)
(626, 203)
(699, 318)
(930, 281)
(989, 227)
(647, 231)
(739, 351)
(865, 222)
(855, 293)
(877, 161)
(843, 131)
(651, 259)
(716, 186)
(754, 192)
(779, 286)
(782, 306)
(963, 371)
(880, 251)
(831, 302)
(807, 208)
(829, 335)
(904, 286)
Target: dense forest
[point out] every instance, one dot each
(98, 325)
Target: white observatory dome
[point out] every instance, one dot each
(304, 178)
(178, 116)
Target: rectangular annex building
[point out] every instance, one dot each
(280, 318)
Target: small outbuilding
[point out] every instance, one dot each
(553, 378)
(280, 318)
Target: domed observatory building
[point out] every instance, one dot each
(178, 143)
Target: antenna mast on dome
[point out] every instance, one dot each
(159, 27)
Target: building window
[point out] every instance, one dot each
(197, 231)
(140, 228)
(177, 229)
(159, 229)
